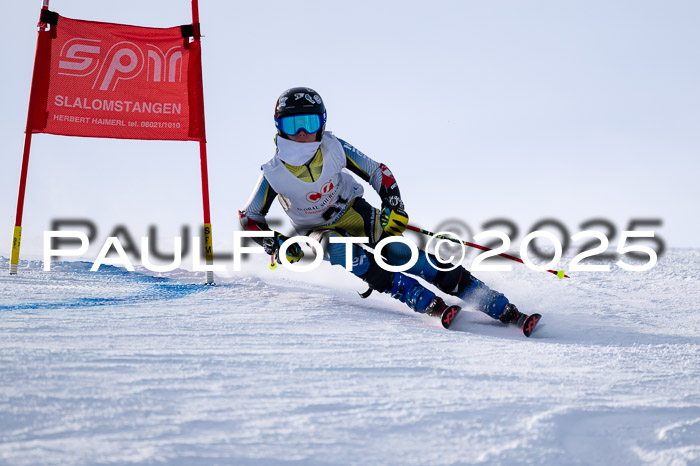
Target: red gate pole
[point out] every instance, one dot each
(17, 232)
(208, 248)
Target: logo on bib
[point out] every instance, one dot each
(327, 187)
(315, 196)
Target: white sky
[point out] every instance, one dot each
(522, 110)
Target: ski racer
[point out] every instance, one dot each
(311, 175)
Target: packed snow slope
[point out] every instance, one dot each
(117, 367)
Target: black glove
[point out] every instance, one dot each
(394, 218)
(271, 245)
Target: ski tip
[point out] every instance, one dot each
(530, 323)
(449, 315)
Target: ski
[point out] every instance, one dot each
(448, 315)
(528, 325)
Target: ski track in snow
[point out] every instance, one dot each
(127, 367)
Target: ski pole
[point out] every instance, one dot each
(559, 273)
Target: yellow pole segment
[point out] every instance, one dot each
(14, 258)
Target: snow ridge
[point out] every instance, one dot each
(146, 288)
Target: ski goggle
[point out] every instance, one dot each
(291, 125)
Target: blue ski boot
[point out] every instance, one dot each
(420, 299)
(409, 291)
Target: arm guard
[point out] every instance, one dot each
(252, 217)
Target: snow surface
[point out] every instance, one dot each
(272, 368)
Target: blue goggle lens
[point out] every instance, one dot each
(291, 125)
